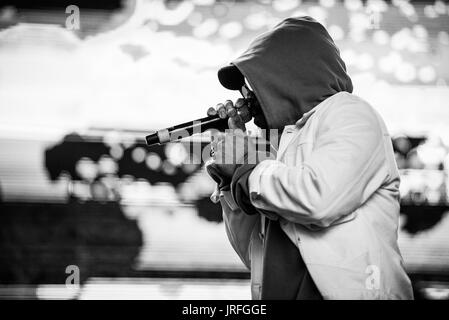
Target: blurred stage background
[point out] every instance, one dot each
(79, 187)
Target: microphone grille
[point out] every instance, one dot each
(231, 78)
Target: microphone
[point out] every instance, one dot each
(196, 126)
(231, 78)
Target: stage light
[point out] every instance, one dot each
(153, 161)
(86, 169)
(206, 29)
(138, 155)
(231, 30)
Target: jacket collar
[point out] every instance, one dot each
(301, 122)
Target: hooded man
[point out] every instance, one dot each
(320, 219)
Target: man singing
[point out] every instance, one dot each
(320, 219)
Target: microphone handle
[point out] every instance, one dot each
(180, 130)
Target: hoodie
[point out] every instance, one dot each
(292, 68)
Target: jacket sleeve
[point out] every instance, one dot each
(239, 227)
(347, 165)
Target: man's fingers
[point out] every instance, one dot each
(238, 114)
(230, 110)
(228, 104)
(221, 110)
(211, 111)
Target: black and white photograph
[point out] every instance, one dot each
(233, 151)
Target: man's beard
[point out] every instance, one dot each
(260, 121)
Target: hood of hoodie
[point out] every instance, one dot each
(292, 68)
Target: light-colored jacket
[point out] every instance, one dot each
(335, 187)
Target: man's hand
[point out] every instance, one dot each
(234, 148)
(237, 114)
(229, 149)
